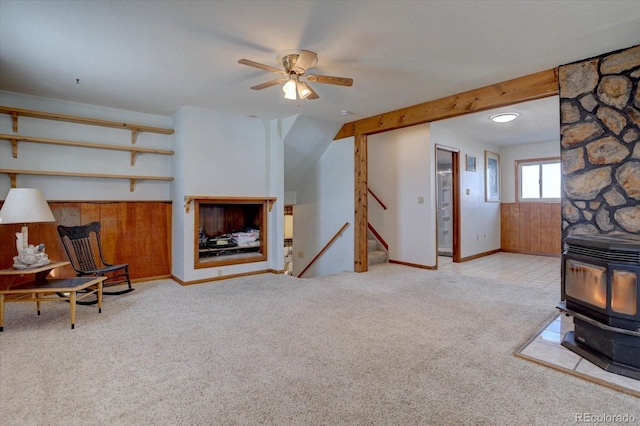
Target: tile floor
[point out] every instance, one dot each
(545, 346)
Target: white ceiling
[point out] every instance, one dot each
(156, 56)
(538, 121)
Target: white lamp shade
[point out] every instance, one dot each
(303, 90)
(289, 89)
(25, 205)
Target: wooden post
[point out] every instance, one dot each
(360, 213)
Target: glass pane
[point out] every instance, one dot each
(530, 181)
(624, 292)
(551, 180)
(585, 282)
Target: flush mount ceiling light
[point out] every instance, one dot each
(504, 117)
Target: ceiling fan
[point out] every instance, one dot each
(295, 65)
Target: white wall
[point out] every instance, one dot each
(522, 152)
(289, 197)
(401, 172)
(178, 231)
(479, 220)
(325, 201)
(216, 154)
(225, 155)
(275, 178)
(32, 156)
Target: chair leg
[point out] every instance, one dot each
(127, 279)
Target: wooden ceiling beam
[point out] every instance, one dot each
(534, 86)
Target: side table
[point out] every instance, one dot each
(43, 289)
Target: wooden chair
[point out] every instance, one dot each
(82, 244)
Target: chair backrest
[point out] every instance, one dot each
(82, 244)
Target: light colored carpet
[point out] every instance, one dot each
(396, 345)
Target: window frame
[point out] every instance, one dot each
(518, 175)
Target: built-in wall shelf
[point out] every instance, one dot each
(14, 139)
(132, 179)
(134, 151)
(134, 128)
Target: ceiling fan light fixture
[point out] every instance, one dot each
(504, 117)
(295, 65)
(289, 89)
(303, 90)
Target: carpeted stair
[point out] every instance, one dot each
(376, 253)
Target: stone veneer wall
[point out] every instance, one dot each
(600, 144)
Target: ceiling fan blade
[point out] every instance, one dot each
(327, 79)
(305, 60)
(269, 84)
(261, 66)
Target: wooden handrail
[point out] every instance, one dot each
(326, 246)
(376, 198)
(378, 236)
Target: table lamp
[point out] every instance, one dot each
(26, 205)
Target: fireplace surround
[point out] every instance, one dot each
(230, 230)
(600, 291)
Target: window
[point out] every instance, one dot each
(539, 180)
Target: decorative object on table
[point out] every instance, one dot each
(26, 205)
(492, 177)
(30, 257)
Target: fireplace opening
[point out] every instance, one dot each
(600, 291)
(230, 231)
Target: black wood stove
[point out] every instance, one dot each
(600, 291)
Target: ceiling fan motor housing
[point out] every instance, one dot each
(289, 62)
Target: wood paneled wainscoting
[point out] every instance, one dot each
(137, 233)
(532, 228)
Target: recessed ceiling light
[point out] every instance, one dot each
(504, 117)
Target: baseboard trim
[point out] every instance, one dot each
(479, 255)
(413, 265)
(225, 277)
(534, 253)
(147, 279)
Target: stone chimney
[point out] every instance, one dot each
(600, 148)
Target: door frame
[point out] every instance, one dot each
(455, 199)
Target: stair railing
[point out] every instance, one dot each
(376, 198)
(378, 236)
(326, 246)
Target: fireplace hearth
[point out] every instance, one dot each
(600, 291)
